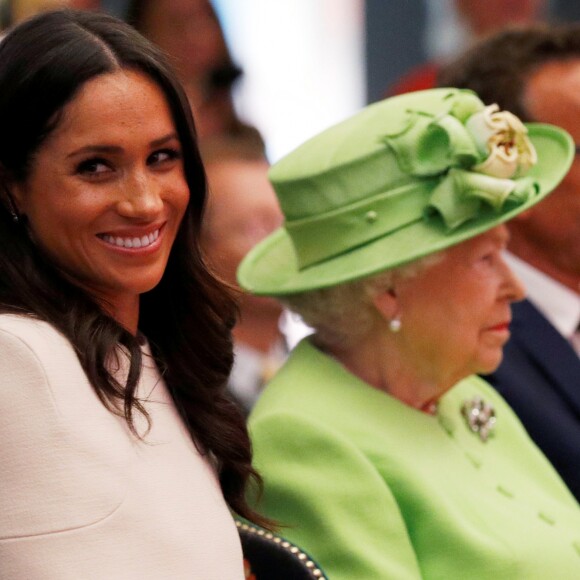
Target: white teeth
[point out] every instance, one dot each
(141, 242)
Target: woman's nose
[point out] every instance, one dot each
(140, 198)
(514, 288)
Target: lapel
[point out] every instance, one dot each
(548, 348)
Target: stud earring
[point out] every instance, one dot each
(12, 209)
(395, 325)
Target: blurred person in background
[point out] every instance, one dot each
(243, 210)
(381, 450)
(480, 19)
(14, 11)
(535, 72)
(190, 33)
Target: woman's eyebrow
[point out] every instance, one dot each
(117, 149)
(162, 140)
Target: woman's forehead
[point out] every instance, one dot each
(115, 105)
(497, 236)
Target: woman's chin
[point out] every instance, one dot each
(490, 363)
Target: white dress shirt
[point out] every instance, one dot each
(558, 304)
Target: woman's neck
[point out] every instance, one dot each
(125, 310)
(380, 364)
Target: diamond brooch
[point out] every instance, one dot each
(480, 417)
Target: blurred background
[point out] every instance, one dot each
(263, 76)
(307, 64)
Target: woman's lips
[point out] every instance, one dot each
(504, 326)
(132, 240)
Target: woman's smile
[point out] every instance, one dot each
(107, 191)
(134, 241)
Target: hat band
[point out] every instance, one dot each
(455, 198)
(323, 237)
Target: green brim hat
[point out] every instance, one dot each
(403, 178)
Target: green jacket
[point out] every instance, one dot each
(374, 489)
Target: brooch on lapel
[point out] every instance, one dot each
(480, 417)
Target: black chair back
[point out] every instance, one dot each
(270, 557)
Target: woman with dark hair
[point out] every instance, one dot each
(118, 441)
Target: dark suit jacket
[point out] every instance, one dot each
(540, 378)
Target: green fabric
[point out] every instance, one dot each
(430, 145)
(319, 238)
(400, 169)
(374, 489)
(460, 195)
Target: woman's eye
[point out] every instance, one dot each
(163, 156)
(488, 258)
(93, 167)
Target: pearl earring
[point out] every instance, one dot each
(395, 325)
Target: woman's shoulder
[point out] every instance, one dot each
(34, 353)
(59, 441)
(22, 324)
(301, 384)
(39, 336)
(37, 362)
(313, 387)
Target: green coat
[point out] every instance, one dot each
(375, 489)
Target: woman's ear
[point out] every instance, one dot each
(14, 190)
(9, 201)
(10, 206)
(10, 195)
(387, 303)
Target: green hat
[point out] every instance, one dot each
(403, 178)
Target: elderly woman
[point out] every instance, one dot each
(380, 449)
(121, 455)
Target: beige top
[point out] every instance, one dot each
(80, 496)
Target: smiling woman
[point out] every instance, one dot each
(107, 192)
(114, 338)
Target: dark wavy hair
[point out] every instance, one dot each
(498, 67)
(188, 316)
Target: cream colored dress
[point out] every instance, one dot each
(80, 496)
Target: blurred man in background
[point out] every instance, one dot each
(479, 19)
(535, 73)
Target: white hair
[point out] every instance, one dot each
(343, 314)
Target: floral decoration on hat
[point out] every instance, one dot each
(481, 155)
(504, 139)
